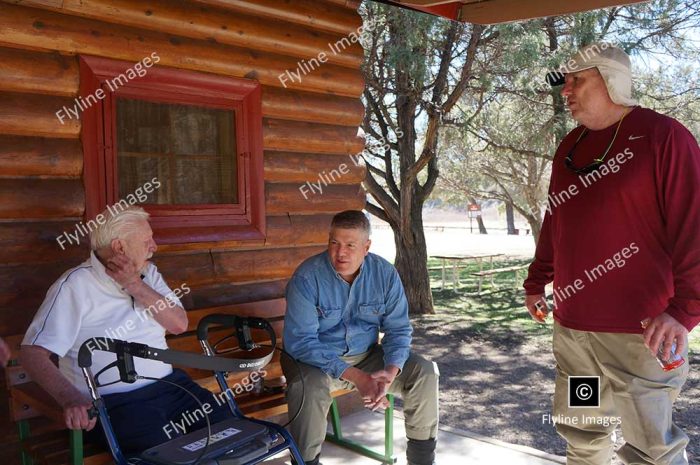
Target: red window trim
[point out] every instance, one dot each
(174, 223)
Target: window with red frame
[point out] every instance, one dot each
(198, 135)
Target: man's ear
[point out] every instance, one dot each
(117, 247)
(369, 242)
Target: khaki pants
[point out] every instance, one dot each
(633, 387)
(417, 385)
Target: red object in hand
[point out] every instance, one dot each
(674, 361)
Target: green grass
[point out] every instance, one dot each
(497, 311)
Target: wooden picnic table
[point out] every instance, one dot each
(456, 259)
(492, 272)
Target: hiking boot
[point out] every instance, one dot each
(315, 461)
(421, 452)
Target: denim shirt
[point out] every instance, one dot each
(328, 318)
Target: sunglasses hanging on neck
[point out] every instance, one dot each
(569, 160)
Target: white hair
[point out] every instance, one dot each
(116, 225)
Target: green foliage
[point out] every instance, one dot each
(522, 120)
(498, 310)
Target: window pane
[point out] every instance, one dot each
(190, 149)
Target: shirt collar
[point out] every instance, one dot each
(101, 273)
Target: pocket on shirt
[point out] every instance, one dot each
(372, 312)
(328, 317)
(328, 313)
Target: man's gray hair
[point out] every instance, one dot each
(351, 219)
(116, 225)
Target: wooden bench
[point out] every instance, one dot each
(493, 272)
(48, 442)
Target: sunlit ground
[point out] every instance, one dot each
(500, 310)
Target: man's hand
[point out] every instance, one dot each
(75, 414)
(123, 270)
(4, 353)
(384, 377)
(537, 306)
(370, 389)
(665, 329)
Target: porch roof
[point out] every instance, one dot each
(502, 11)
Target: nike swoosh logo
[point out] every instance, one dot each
(636, 137)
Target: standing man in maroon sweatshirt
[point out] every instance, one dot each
(621, 241)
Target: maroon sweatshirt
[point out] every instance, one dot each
(623, 243)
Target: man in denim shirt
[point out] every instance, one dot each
(337, 303)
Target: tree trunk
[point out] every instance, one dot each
(479, 219)
(412, 264)
(535, 225)
(482, 228)
(510, 218)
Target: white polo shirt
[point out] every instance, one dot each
(85, 303)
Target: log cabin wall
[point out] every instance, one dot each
(308, 127)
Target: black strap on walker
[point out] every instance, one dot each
(126, 351)
(242, 326)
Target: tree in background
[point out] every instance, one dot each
(505, 152)
(417, 69)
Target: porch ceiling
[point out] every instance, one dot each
(502, 11)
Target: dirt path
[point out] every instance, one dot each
(501, 384)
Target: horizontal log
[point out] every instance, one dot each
(267, 309)
(298, 230)
(313, 13)
(36, 72)
(232, 266)
(34, 156)
(35, 243)
(42, 29)
(293, 136)
(352, 4)
(312, 107)
(280, 231)
(302, 167)
(212, 23)
(228, 293)
(22, 289)
(41, 198)
(35, 115)
(300, 199)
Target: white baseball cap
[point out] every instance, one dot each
(612, 63)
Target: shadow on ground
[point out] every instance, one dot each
(497, 367)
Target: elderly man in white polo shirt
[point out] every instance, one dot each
(116, 293)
